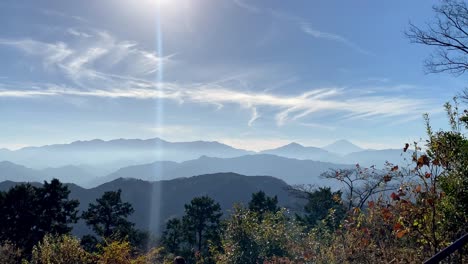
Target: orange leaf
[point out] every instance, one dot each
(395, 168)
(401, 233)
(417, 189)
(428, 175)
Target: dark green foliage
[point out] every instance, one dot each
(201, 219)
(198, 230)
(57, 211)
(449, 149)
(28, 213)
(321, 204)
(261, 203)
(108, 219)
(173, 236)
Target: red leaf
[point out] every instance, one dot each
(387, 178)
(397, 226)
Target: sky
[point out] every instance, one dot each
(251, 74)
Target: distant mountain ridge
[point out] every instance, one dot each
(114, 154)
(292, 171)
(297, 151)
(85, 161)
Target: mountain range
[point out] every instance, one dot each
(90, 163)
(292, 171)
(107, 156)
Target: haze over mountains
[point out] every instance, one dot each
(90, 163)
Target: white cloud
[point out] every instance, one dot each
(77, 33)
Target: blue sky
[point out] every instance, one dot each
(252, 74)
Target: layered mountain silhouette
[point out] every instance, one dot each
(297, 151)
(108, 156)
(12, 171)
(292, 171)
(156, 202)
(90, 163)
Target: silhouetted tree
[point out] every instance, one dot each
(448, 34)
(28, 213)
(108, 219)
(58, 212)
(202, 218)
(360, 183)
(173, 236)
(108, 216)
(262, 203)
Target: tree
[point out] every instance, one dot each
(28, 213)
(19, 216)
(276, 238)
(261, 203)
(448, 34)
(322, 203)
(362, 183)
(58, 250)
(173, 236)
(57, 211)
(9, 253)
(202, 217)
(108, 217)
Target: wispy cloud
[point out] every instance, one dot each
(310, 30)
(248, 7)
(55, 13)
(287, 107)
(97, 58)
(78, 33)
(99, 65)
(303, 25)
